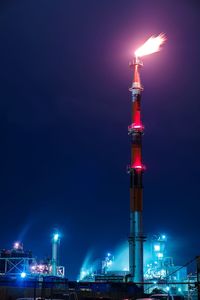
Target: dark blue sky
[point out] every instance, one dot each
(64, 112)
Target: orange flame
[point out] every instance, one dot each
(151, 45)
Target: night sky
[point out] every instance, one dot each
(64, 112)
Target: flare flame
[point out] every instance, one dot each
(151, 45)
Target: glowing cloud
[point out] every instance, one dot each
(152, 45)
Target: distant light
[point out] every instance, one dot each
(16, 245)
(56, 237)
(163, 237)
(23, 275)
(167, 288)
(108, 254)
(154, 282)
(160, 255)
(156, 248)
(155, 262)
(179, 289)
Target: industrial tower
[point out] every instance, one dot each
(55, 244)
(136, 170)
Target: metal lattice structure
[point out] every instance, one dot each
(15, 265)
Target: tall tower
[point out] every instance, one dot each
(136, 170)
(54, 260)
(136, 167)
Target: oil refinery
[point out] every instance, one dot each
(144, 268)
(17, 262)
(158, 264)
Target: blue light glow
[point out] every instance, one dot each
(160, 255)
(86, 266)
(56, 237)
(23, 275)
(120, 258)
(156, 247)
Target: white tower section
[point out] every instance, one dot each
(55, 245)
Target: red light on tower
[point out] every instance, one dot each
(139, 167)
(138, 126)
(134, 127)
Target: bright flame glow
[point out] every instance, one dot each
(151, 45)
